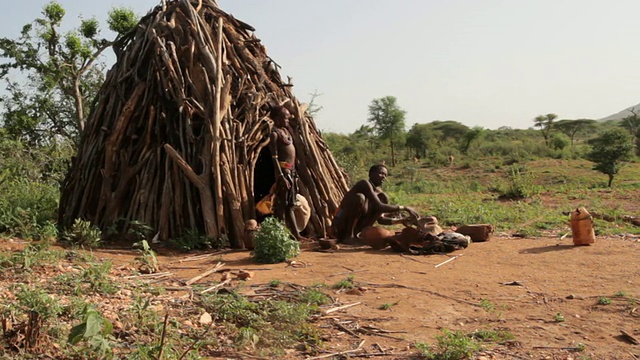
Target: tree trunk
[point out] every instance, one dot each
(393, 157)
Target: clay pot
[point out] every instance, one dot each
(327, 244)
(375, 237)
(410, 236)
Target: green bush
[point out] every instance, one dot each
(28, 209)
(519, 184)
(192, 240)
(451, 346)
(274, 243)
(83, 233)
(29, 187)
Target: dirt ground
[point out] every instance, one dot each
(523, 286)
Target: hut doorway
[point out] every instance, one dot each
(263, 178)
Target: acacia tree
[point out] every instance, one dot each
(572, 127)
(388, 122)
(632, 124)
(545, 123)
(62, 69)
(469, 137)
(420, 139)
(609, 152)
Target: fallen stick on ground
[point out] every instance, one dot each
(206, 273)
(203, 256)
(378, 354)
(374, 333)
(347, 272)
(630, 338)
(359, 348)
(376, 329)
(568, 348)
(329, 311)
(345, 329)
(216, 286)
(446, 261)
(412, 259)
(162, 274)
(422, 290)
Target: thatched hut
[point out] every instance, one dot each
(177, 136)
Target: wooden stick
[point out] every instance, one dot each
(444, 262)
(329, 311)
(412, 259)
(204, 256)
(347, 272)
(343, 328)
(156, 275)
(216, 286)
(195, 341)
(359, 348)
(164, 336)
(206, 273)
(422, 290)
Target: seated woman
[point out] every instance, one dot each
(363, 205)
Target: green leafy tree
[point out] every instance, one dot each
(610, 151)
(545, 123)
(62, 69)
(450, 130)
(420, 139)
(638, 142)
(572, 127)
(388, 122)
(632, 124)
(559, 141)
(469, 137)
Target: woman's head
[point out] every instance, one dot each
(280, 115)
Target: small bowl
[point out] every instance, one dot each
(327, 244)
(393, 218)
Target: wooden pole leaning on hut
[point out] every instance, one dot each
(179, 127)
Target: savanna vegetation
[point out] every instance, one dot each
(521, 180)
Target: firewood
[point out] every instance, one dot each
(206, 273)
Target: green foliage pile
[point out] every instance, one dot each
(274, 243)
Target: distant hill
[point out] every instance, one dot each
(622, 114)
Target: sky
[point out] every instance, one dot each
(487, 63)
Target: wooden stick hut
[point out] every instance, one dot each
(177, 136)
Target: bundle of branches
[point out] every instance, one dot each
(179, 125)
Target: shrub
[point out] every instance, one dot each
(519, 185)
(274, 243)
(27, 209)
(451, 346)
(83, 233)
(192, 240)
